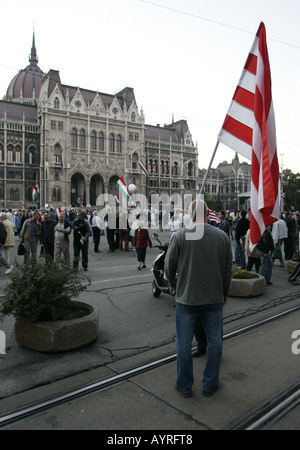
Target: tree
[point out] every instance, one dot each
(291, 189)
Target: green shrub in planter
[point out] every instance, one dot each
(42, 290)
(243, 274)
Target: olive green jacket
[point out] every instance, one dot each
(199, 267)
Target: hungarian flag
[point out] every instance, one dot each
(123, 188)
(37, 187)
(142, 166)
(117, 200)
(34, 193)
(249, 129)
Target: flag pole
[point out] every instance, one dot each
(209, 167)
(204, 181)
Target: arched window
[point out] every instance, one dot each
(119, 144)
(31, 155)
(162, 165)
(151, 165)
(18, 154)
(175, 168)
(167, 168)
(82, 139)
(133, 117)
(10, 153)
(57, 153)
(56, 103)
(1, 153)
(56, 195)
(74, 141)
(29, 194)
(93, 140)
(101, 142)
(111, 143)
(190, 170)
(134, 161)
(14, 194)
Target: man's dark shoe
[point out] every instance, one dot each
(186, 395)
(199, 353)
(210, 393)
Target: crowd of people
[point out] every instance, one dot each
(199, 299)
(126, 232)
(279, 241)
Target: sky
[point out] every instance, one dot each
(182, 57)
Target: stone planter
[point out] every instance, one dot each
(291, 265)
(251, 287)
(59, 336)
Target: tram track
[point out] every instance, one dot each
(35, 408)
(270, 410)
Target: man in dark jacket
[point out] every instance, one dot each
(240, 231)
(3, 261)
(47, 235)
(82, 232)
(264, 247)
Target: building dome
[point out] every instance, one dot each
(26, 85)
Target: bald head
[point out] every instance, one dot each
(200, 215)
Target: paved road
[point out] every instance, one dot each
(132, 321)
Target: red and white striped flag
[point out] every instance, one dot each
(249, 129)
(213, 217)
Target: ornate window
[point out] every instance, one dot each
(74, 139)
(119, 144)
(18, 154)
(82, 139)
(175, 170)
(10, 153)
(133, 117)
(93, 140)
(101, 141)
(56, 103)
(190, 169)
(14, 194)
(56, 195)
(112, 143)
(31, 155)
(134, 161)
(57, 153)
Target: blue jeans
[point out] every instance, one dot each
(212, 319)
(266, 265)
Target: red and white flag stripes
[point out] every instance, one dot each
(249, 129)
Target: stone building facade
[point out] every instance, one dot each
(229, 185)
(75, 144)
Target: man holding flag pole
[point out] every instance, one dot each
(249, 128)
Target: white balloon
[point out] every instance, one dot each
(132, 188)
